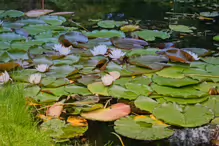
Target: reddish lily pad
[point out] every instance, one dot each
(111, 113)
(37, 13)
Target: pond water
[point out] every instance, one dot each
(153, 14)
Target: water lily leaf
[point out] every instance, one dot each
(98, 88)
(138, 88)
(73, 89)
(22, 75)
(110, 23)
(120, 92)
(151, 35)
(183, 92)
(211, 60)
(17, 54)
(177, 55)
(95, 42)
(216, 38)
(181, 28)
(122, 81)
(12, 14)
(4, 57)
(47, 37)
(77, 121)
(111, 113)
(88, 79)
(45, 97)
(142, 80)
(186, 100)
(14, 25)
(148, 61)
(55, 110)
(88, 100)
(205, 86)
(72, 38)
(58, 130)
(173, 82)
(213, 103)
(140, 52)
(31, 91)
(189, 116)
(23, 45)
(8, 66)
(42, 60)
(59, 91)
(31, 21)
(129, 28)
(142, 128)
(4, 45)
(172, 72)
(62, 71)
(146, 103)
(37, 13)
(128, 43)
(48, 81)
(209, 14)
(10, 37)
(61, 13)
(198, 51)
(104, 34)
(53, 20)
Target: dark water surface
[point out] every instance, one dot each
(151, 12)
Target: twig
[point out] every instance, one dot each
(78, 24)
(107, 102)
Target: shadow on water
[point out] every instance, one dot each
(99, 133)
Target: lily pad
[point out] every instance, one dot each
(211, 60)
(98, 88)
(72, 38)
(213, 103)
(142, 128)
(37, 13)
(209, 14)
(183, 92)
(10, 37)
(146, 103)
(151, 35)
(189, 116)
(128, 43)
(73, 89)
(12, 14)
(111, 113)
(110, 23)
(104, 34)
(138, 89)
(173, 82)
(31, 91)
(53, 20)
(186, 100)
(181, 28)
(120, 92)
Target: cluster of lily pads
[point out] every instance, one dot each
(71, 76)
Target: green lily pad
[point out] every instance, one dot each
(206, 86)
(211, 60)
(216, 38)
(139, 52)
(31, 91)
(183, 92)
(12, 14)
(58, 130)
(73, 89)
(189, 116)
(181, 28)
(138, 89)
(53, 20)
(42, 60)
(31, 21)
(209, 14)
(146, 103)
(142, 128)
(10, 37)
(17, 54)
(98, 88)
(111, 23)
(120, 92)
(73, 38)
(23, 45)
(213, 103)
(45, 97)
(173, 82)
(59, 91)
(104, 34)
(151, 35)
(172, 72)
(186, 100)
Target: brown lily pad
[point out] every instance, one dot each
(38, 13)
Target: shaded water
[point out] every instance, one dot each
(152, 13)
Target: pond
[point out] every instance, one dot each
(178, 81)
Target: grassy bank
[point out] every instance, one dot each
(17, 127)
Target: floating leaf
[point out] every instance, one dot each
(72, 38)
(146, 103)
(149, 61)
(151, 35)
(10, 37)
(128, 43)
(189, 116)
(73, 89)
(211, 60)
(209, 14)
(12, 14)
(98, 88)
(142, 128)
(140, 52)
(120, 92)
(111, 113)
(173, 82)
(213, 103)
(104, 34)
(183, 92)
(180, 28)
(186, 100)
(129, 28)
(37, 13)
(139, 89)
(31, 91)
(77, 121)
(8, 66)
(110, 23)
(55, 110)
(53, 20)
(61, 13)
(172, 72)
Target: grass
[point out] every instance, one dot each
(17, 127)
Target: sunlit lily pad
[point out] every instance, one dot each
(73, 89)
(129, 28)
(141, 128)
(180, 28)
(151, 35)
(213, 103)
(173, 82)
(146, 103)
(186, 100)
(111, 113)
(183, 92)
(139, 89)
(121, 92)
(110, 23)
(98, 88)
(209, 14)
(189, 116)
(172, 72)
(104, 34)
